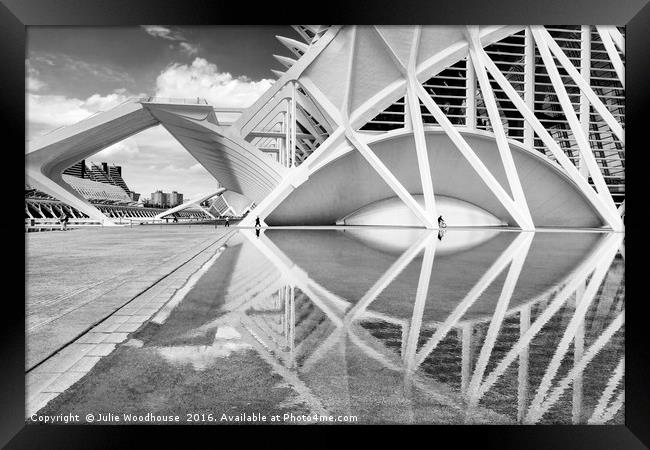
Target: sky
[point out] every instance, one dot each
(73, 72)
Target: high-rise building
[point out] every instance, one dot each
(165, 199)
(157, 198)
(175, 199)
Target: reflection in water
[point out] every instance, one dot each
(497, 327)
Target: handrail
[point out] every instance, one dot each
(184, 101)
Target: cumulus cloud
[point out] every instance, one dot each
(202, 79)
(58, 110)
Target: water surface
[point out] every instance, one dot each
(388, 325)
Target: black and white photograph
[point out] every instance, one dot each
(346, 225)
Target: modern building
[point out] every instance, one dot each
(396, 125)
(175, 199)
(165, 199)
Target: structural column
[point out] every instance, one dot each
(529, 84)
(585, 72)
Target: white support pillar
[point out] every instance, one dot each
(614, 57)
(572, 119)
(293, 123)
(417, 124)
(470, 93)
(613, 220)
(386, 279)
(598, 105)
(572, 327)
(529, 85)
(497, 127)
(578, 351)
(522, 371)
(466, 356)
(586, 267)
(470, 298)
(390, 179)
(500, 310)
(418, 307)
(471, 157)
(585, 72)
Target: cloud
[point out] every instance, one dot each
(174, 35)
(202, 79)
(52, 111)
(163, 32)
(188, 48)
(33, 83)
(125, 149)
(78, 68)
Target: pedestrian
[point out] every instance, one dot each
(257, 223)
(64, 221)
(441, 222)
(227, 222)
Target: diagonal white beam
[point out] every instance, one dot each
(612, 383)
(497, 126)
(296, 47)
(579, 276)
(500, 310)
(481, 285)
(612, 410)
(611, 219)
(572, 118)
(414, 117)
(370, 156)
(417, 124)
(389, 178)
(572, 327)
(617, 37)
(595, 348)
(420, 302)
(471, 157)
(598, 105)
(292, 74)
(614, 57)
(292, 273)
(585, 72)
(387, 278)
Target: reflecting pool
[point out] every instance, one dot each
(388, 325)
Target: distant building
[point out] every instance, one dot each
(157, 198)
(175, 199)
(101, 173)
(77, 170)
(166, 200)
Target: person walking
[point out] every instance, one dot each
(257, 223)
(441, 222)
(64, 221)
(227, 222)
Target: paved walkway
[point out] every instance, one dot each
(78, 278)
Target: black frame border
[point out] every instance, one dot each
(16, 15)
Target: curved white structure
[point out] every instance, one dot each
(525, 123)
(193, 202)
(392, 212)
